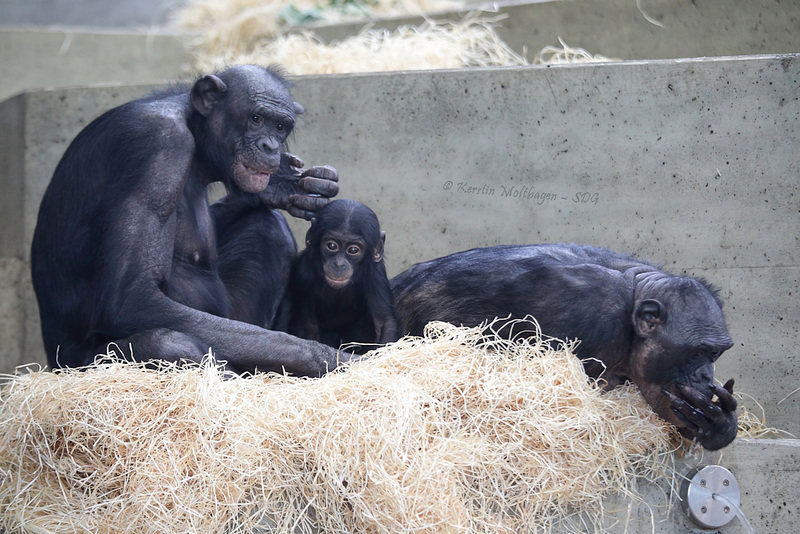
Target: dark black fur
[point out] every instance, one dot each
(634, 321)
(362, 311)
(127, 250)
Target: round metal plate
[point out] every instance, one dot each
(698, 496)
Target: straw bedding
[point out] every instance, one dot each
(454, 432)
(472, 42)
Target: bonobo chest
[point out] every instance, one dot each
(195, 242)
(338, 308)
(194, 280)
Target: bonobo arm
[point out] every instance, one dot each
(135, 256)
(300, 192)
(381, 307)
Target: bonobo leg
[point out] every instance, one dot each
(256, 249)
(159, 343)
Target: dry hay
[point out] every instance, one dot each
(554, 55)
(235, 26)
(469, 43)
(448, 433)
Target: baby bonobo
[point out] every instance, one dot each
(338, 291)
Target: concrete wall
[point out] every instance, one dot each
(618, 29)
(96, 13)
(38, 58)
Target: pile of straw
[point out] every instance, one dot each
(222, 27)
(453, 432)
(469, 43)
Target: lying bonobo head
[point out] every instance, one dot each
(679, 333)
(247, 115)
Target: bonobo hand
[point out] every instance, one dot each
(713, 424)
(300, 192)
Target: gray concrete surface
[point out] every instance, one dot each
(40, 58)
(127, 14)
(689, 163)
(768, 474)
(618, 29)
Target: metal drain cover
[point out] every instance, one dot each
(698, 490)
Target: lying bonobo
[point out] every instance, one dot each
(634, 321)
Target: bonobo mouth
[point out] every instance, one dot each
(337, 283)
(251, 180)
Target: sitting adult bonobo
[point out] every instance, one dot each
(338, 291)
(125, 248)
(634, 321)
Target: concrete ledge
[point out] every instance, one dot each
(616, 28)
(35, 58)
(688, 163)
(767, 473)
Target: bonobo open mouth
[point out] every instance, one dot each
(251, 180)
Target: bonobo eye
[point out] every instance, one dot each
(280, 127)
(258, 120)
(710, 354)
(332, 246)
(354, 250)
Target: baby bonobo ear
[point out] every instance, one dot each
(649, 314)
(378, 254)
(298, 109)
(206, 92)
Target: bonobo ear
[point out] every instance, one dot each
(206, 92)
(298, 109)
(378, 254)
(648, 315)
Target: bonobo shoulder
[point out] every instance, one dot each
(165, 117)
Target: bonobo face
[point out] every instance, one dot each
(250, 115)
(680, 333)
(341, 254)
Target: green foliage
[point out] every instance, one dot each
(352, 8)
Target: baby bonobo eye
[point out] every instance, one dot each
(332, 246)
(354, 250)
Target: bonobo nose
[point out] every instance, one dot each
(270, 145)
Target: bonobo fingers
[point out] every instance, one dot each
(686, 413)
(701, 402)
(305, 206)
(725, 395)
(713, 424)
(321, 180)
(325, 172)
(292, 161)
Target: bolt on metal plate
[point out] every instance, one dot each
(697, 493)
